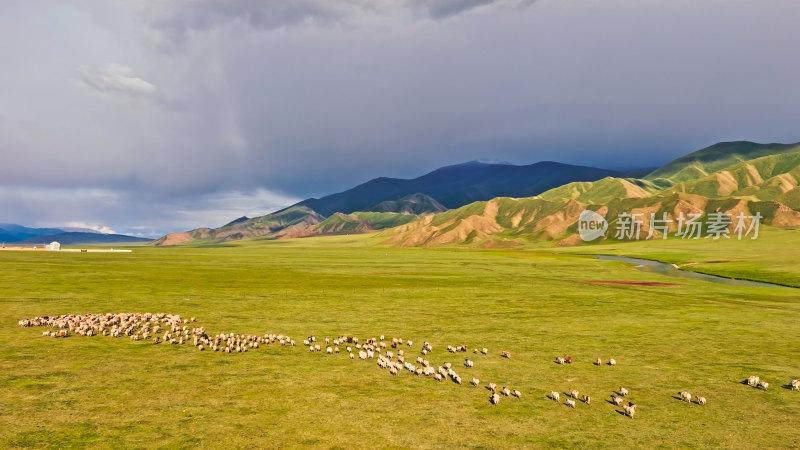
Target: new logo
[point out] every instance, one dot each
(591, 225)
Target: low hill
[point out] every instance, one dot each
(295, 221)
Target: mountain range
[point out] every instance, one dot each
(493, 205)
(18, 234)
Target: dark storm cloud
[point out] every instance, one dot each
(181, 113)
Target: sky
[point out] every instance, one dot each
(151, 116)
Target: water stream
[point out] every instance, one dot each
(648, 265)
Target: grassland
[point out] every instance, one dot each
(774, 257)
(104, 392)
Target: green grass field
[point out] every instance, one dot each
(700, 337)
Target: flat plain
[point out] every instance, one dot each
(537, 303)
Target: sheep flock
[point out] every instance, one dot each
(389, 354)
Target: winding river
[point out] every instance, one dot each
(648, 265)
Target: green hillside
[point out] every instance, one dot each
(714, 158)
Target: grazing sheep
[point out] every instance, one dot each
(409, 343)
(317, 347)
(685, 396)
(795, 385)
(447, 365)
(560, 360)
(568, 359)
(475, 382)
(616, 400)
(475, 351)
(362, 355)
(484, 351)
(352, 355)
(571, 403)
(630, 410)
(573, 393)
(491, 386)
(438, 377)
(329, 350)
(516, 393)
(701, 401)
(623, 391)
(506, 391)
(468, 363)
(587, 399)
(506, 354)
(753, 380)
(555, 396)
(763, 385)
(599, 362)
(612, 362)
(495, 399)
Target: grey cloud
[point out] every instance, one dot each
(171, 22)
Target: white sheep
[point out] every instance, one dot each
(763, 385)
(612, 362)
(485, 351)
(573, 393)
(685, 396)
(701, 400)
(623, 392)
(468, 363)
(795, 385)
(555, 396)
(475, 381)
(571, 403)
(495, 399)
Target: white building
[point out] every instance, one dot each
(53, 246)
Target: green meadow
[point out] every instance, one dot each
(537, 303)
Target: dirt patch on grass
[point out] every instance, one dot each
(633, 283)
